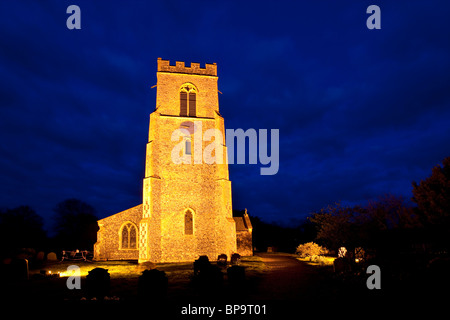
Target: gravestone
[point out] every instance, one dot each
(207, 278)
(52, 256)
(222, 259)
(235, 258)
(40, 256)
(202, 263)
(98, 283)
(152, 284)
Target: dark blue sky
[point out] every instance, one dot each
(361, 112)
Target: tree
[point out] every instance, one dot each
(21, 227)
(367, 226)
(336, 225)
(75, 225)
(432, 196)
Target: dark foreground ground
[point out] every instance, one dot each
(279, 282)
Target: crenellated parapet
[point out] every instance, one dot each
(180, 67)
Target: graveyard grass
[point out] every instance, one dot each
(124, 277)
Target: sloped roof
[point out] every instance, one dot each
(243, 223)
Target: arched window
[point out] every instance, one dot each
(188, 93)
(188, 222)
(128, 236)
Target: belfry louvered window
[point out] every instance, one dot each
(192, 104)
(183, 103)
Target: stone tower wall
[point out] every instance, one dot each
(170, 189)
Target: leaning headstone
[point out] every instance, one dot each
(51, 256)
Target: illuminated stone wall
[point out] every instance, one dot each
(244, 235)
(107, 246)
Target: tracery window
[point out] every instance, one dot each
(128, 236)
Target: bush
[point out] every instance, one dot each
(310, 249)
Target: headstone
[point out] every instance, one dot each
(201, 264)
(51, 256)
(19, 269)
(40, 256)
(152, 284)
(235, 258)
(98, 283)
(222, 259)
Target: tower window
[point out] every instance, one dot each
(188, 223)
(188, 100)
(187, 146)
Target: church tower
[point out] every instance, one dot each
(186, 209)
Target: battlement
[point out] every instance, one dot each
(179, 67)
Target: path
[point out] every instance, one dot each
(289, 279)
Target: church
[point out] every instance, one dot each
(186, 209)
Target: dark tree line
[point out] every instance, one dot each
(389, 225)
(74, 226)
